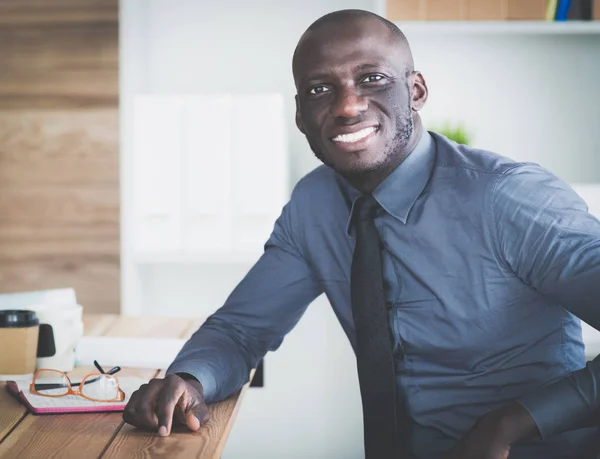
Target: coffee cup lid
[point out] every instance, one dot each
(16, 318)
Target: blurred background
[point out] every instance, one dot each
(147, 146)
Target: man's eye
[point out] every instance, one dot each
(372, 78)
(319, 90)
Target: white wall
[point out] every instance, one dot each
(524, 97)
(528, 97)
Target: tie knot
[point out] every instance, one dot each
(365, 207)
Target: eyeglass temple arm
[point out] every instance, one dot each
(112, 371)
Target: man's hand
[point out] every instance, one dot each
(494, 433)
(156, 405)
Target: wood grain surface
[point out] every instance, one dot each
(60, 436)
(98, 324)
(95, 435)
(59, 159)
(59, 54)
(11, 413)
(59, 147)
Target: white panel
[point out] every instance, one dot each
(157, 172)
(260, 167)
(207, 173)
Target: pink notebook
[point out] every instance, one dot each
(71, 403)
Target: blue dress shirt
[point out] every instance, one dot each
(486, 263)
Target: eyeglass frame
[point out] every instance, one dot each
(33, 388)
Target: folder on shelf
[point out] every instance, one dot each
(260, 167)
(157, 146)
(562, 10)
(551, 10)
(207, 172)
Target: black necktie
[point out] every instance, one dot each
(374, 342)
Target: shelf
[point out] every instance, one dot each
(196, 257)
(412, 28)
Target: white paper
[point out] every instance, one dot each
(156, 353)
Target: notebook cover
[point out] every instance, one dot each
(62, 405)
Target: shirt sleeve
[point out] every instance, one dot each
(261, 310)
(545, 234)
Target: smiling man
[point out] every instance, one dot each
(457, 274)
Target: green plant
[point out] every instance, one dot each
(458, 133)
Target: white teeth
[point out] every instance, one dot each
(355, 136)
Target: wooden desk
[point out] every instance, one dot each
(105, 435)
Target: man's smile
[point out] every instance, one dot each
(355, 137)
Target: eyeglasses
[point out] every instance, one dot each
(97, 387)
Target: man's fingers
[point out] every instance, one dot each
(192, 422)
(165, 406)
(140, 409)
(129, 413)
(162, 402)
(197, 417)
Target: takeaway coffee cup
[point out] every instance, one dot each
(19, 332)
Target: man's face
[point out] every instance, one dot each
(353, 101)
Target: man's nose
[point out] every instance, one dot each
(349, 104)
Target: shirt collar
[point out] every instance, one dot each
(399, 191)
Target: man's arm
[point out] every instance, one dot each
(545, 234)
(261, 310)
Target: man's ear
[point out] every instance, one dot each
(419, 91)
(298, 118)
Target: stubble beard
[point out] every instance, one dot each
(404, 129)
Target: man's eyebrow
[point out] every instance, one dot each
(324, 76)
(316, 77)
(371, 66)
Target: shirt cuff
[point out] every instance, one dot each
(206, 378)
(562, 404)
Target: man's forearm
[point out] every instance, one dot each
(215, 359)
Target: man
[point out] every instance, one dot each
(457, 274)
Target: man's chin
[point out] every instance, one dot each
(357, 168)
(351, 164)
